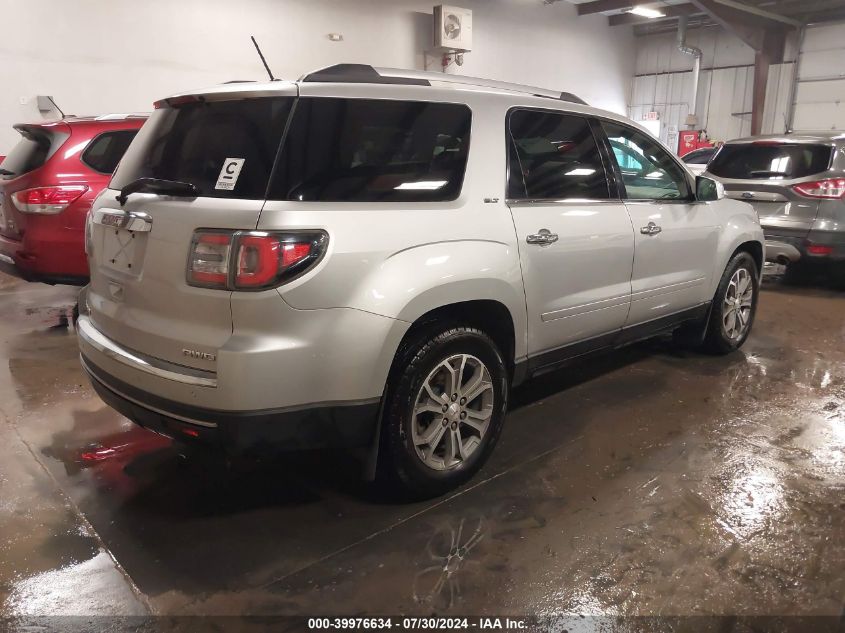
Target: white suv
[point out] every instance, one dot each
(373, 258)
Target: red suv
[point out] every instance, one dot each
(47, 184)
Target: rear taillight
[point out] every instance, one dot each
(819, 249)
(208, 265)
(830, 188)
(252, 260)
(47, 200)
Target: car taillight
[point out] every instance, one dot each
(252, 260)
(47, 200)
(819, 249)
(208, 265)
(830, 188)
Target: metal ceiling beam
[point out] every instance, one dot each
(750, 27)
(739, 6)
(667, 26)
(586, 8)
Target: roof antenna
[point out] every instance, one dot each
(263, 61)
(56, 105)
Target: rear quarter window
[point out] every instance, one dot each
(105, 151)
(770, 161)
(192, 142)
(372, 150)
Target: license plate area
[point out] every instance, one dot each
(122, 250)
(124, 240)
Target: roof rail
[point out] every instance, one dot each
(364, 73)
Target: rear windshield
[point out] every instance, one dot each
(373, 151)
(37, 144)
(225, 149)
(764, 161)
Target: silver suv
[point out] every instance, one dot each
(796, 183)
(373, 258)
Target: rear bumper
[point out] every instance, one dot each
(814, 246)
(781, 252)
(50, 262)
(334, 425)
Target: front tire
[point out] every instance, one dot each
(734, 306)
(446, 403)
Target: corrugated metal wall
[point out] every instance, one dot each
(724, 103)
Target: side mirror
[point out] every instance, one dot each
(708, 190)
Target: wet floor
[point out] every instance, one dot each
(647, 482)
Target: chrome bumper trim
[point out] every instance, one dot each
(144, 405)
(153, 366)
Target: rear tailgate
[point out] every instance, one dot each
(764, 172)
(139, 295)
(37, 145)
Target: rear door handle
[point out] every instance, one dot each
(543, 236)
(650, 229)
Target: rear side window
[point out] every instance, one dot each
(104, 152)
(373, 150)
(32, 151)
(553, 156)
(763, 160)
(193, 142)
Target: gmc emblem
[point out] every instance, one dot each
(192, 353)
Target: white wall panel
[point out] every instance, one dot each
(97, 56)
(724, 100)
(725, 94)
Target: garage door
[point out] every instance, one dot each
(820, 92)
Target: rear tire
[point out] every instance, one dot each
(734, 306)
(797, 274)
(446, 403)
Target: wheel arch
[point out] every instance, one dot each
(753, 248)
(490, 316)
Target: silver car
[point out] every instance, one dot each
(796, 183)
(372, 258)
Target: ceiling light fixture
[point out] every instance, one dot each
(646, 12)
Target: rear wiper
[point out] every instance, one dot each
(157, 185)
(6, 172)
(763, 172)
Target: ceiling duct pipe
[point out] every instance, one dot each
(692, 120)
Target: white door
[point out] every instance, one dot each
(675, 236)
(576, 243)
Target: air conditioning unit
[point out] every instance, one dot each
(452, 28)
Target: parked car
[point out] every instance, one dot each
(47, 185)
(697, 159)
(796, 183)
(418, 244)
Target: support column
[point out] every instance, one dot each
(758, 100)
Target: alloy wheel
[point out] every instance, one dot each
(737, 304)
(452, 412)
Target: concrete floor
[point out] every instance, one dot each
(650, 481)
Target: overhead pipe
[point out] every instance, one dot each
(692, 120)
